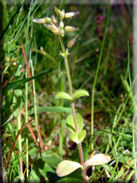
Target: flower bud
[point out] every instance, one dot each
(54, 20)
(61, 29)
(43, 20)
(61, 25)
(71, 14)
(61, 13)
(40, 21)
(57, 10)
(61, 32)
(48, 20)
(71, 29)
(52, 27)
(71, 43)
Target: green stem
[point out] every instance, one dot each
(26, 120)
(67, 67)
(95, 80)
(92, 118)
(26, 101)
(73, 107)
(20, 145)
(34, 96)
(33, 81)
(61, 139)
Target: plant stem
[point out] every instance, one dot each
(26, 120)
(26, 101)
(73, 107)
(67, 67)
(95, 80)
(20, 145)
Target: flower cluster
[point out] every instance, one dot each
(52, 23)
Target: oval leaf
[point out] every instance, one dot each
(66, 167)
(78, 137)
(63, 95)
(97, 159)
(80, 93)
(70, 123)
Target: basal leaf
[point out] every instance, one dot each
(66, 167)
(97, 159)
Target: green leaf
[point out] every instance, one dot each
(108, 167)
(70, 179)
(51, 109)
(66, 167)
(63, 95)
(127, 86)
(78, 137)
(71, 125)
(18, 178)
(6, 135)
(33, 152)
(97, 159)
(80, 93)
(64, 54)
(51, 158)
(44, 168)
(35, 175)
(74, 177)
(17, 83)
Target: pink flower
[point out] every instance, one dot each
(99, 19)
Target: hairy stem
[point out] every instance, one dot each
(73, 107)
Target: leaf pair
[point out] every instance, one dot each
(77, 94)
(79, 136)
(66, 167)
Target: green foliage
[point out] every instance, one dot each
(64, 54)
(78, 137)
(71, 124)
(63, 95)
(113, 98)
(80, 93)
(17, 83)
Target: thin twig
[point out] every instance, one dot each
(26, 61)
(13, 145)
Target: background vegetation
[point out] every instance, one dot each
(113, 104)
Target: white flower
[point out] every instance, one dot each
(61, 32)
(71, 14)
(54, 20)
(52, 27)
(43, 20)
(60, 13)
(70, 28)
(61, 25)
(40, 21)
(57, 10)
